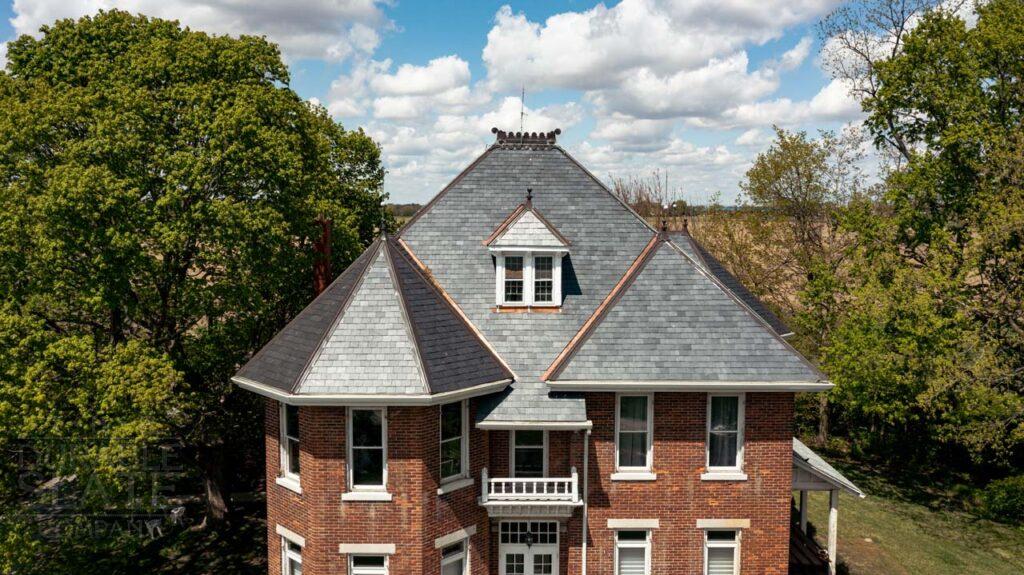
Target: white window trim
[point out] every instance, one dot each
(528, 277)
(732, 473)
(464, 556)
(634, 473)
(512, 452)
(464, 455)
(349, 460)
(287, 536)
(734, 544)
(645, 545)
(288, 478)
(368, 570)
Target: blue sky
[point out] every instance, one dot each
(688, 87)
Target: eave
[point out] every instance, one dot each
(701, 386)
(343, 399)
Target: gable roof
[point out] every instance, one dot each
(384, 301)
(525, 226)
(705, 259)
(669, 321)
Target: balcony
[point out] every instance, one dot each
(530, 496)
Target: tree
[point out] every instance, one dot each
(800, 187)
(942, 254)
(159, 196)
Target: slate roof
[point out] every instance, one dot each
(606, 236)
(669, 320)
(381, 328)
(525, 226)
(822, 468)
(698, 253)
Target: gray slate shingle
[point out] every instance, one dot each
(672, 323)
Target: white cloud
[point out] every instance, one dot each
(329, 29)
(3, 54)
(439, 75)
(754, 137)
(833, 103)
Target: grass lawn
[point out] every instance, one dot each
(906, 529)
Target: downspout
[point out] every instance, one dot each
(586, 492)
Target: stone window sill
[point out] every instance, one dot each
(723, 476)
(454, 485)
(634, 476)
(366, 496)
(289, 483)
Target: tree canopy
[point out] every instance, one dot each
(159, 196)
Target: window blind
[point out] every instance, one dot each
(632, 561)
(721, 561)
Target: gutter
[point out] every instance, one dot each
(366, 398)
(713, 386)
(551, 425)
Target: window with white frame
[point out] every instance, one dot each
(291, 557)
(368, 454)
(529, 278)
(454, 440)
(725, 432)
(633, 432)
(367, 565)
(721, 552)
(289, 441)
(454, 559)
(632, 552)
(529, 453)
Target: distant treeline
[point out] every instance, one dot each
(403, 210)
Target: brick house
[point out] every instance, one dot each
(530, 379)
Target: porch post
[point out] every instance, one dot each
(803, 510)
(833, 528)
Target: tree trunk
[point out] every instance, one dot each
(211, 464)
(822, 418)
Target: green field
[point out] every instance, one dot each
(903, 529)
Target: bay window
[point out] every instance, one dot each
(368, 565)
(633, 432)
(289, 443)
(367, 451)
(454, 440)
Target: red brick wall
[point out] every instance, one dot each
(412, 520)
(678, 498)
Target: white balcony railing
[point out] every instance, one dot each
(530, 489)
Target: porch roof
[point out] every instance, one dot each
(808, 463)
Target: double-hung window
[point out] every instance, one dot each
(529, 453)
(529, 278)
(632, 553)
(633, 433)
(368, 565)
(725, 433)
(368, 453)
(454, 441)
(289, 440)
(721, 552)
(291, 557)
(454, 559)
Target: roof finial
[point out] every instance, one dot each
(686, 225)
(529, 197)
(383, 225)
(664, 229)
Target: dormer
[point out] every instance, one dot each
(528, 254)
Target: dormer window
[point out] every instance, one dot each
(529, 279)
(528, 254)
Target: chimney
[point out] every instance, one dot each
(322, 256)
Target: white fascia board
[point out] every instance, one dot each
(826, 478)
(340, 399)
(534, 249)
(551, 425)
(712, 386)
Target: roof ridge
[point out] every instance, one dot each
(609, 301)
(410, 327)
(424, 273)
(376, 245)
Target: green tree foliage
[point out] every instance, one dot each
(159, 196)
(930, 352)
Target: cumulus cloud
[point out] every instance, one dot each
(833, 103)
(328, 29)
(3, 54)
